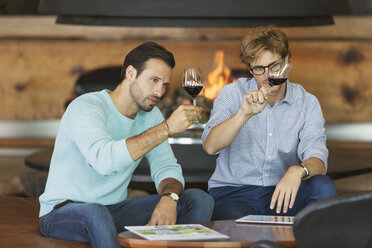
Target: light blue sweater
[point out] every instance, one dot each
(91, 162)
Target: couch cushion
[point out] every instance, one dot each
(19, 225)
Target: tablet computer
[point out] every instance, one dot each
(266, 219)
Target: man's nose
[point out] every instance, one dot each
(159, 90)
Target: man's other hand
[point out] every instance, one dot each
(286, 190)
(165, 212)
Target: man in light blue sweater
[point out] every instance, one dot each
(102, 138)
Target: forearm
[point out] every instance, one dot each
(224, 133)
(170, 185)
(286, 190)
(141, 144)
(314, 165)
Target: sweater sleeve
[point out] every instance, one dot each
(162, 161)
(85, 125)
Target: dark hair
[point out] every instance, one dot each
(141, 54)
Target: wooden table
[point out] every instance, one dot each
(241, 235)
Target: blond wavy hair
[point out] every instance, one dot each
(261, 39)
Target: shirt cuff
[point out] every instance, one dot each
(170, 174)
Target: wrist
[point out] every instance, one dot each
(298, 170)
(168, 201)
(243, 114)
(169, 133)
(172, 196)
(305, 169)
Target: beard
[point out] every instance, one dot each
(140, 99)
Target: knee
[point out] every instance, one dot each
(199, 198)
(96, 213)
(323, 187)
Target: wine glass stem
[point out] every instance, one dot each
(194, 102)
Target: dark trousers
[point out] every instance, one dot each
(235, 202)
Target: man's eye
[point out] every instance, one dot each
(275, 67)
(259, 68)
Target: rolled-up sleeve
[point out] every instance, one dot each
(163, 164)
(224, 107)
(312, 136)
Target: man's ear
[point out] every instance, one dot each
(131, 73)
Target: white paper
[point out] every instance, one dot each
(176, 232)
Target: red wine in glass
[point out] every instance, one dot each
(192, 82)
(276, 81)
(280, 76)
(193, 90)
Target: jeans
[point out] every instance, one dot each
(235, 202)
(99, 225)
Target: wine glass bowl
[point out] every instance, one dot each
(193, 82)
(279, 74)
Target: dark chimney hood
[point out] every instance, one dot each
(189, 13)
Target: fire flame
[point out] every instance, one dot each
(216, 78)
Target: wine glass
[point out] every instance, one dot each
(278, 74)
(193, 82)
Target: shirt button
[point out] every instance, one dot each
(270, 134)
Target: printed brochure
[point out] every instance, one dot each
(176, 232)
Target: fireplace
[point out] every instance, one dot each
(218, 76)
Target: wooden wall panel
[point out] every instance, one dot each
(40, 61)
(339, 74)
(37, 77)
